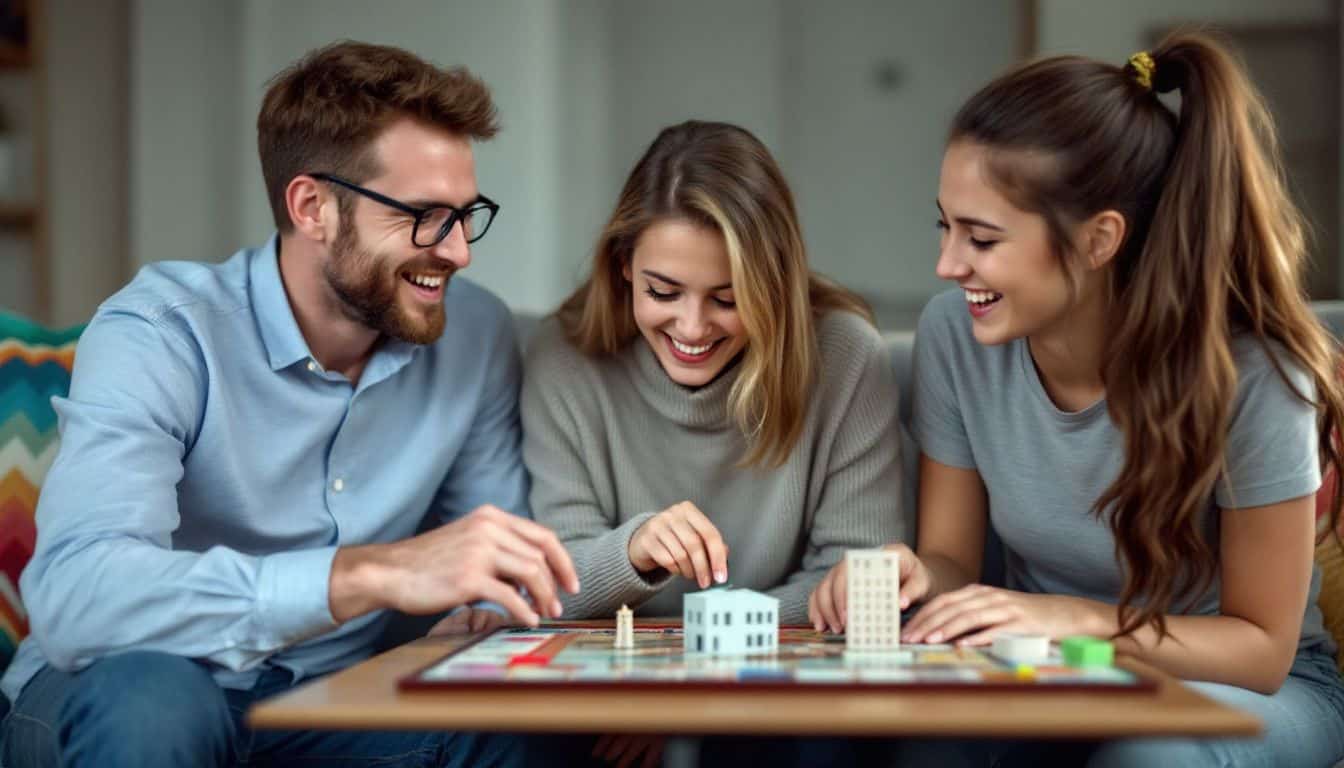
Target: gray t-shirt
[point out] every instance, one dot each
(984, 408)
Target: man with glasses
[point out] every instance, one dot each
(249, 447)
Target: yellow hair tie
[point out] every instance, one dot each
(1144, 66)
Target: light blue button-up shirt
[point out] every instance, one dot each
(209, 468)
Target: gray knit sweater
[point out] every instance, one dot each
(612, 442)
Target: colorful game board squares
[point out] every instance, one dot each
(764, 675)
(585, 657)
(823, 675)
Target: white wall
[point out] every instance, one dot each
(871, 93)
(514, 45)
(861, 157)
(86, 167)
(700, 59)
(589, 173)
(1114, 30)
(584, 85)
(200, 75)
(185, 138)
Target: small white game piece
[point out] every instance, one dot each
(625, 629)
(1019, 648)
(874, 584)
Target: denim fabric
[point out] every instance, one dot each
(1303, 726)
(146, 710)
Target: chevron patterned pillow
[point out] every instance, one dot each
(35, 365)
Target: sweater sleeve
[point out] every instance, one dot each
(859, 505)
(561, 440)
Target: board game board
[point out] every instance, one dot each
(571, 656)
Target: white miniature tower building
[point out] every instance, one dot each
(724, 621)
(874, 610)
(625, 629)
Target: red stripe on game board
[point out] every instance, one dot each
(552, 648)
(542, 654)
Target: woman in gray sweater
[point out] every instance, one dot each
(704, 408)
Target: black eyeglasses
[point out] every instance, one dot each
(431, 224)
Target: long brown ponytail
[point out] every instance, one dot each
(1214, 246)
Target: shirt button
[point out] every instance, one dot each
(338, 485)
(312, 366)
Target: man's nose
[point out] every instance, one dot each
(453, 247)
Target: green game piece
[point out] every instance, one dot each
(1084, 651)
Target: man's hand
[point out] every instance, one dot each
(488, 555)
(469, 620)
(682, 540)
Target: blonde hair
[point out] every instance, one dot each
(720, 177)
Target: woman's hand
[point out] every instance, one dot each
(973, 615)
(683, 541)
(827, 607)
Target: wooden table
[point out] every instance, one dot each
(366, 696)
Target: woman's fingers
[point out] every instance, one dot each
(937, 611)
(715, 547)
(690, 540)
(825, 597)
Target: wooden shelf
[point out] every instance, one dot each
(14, 57)
(15, 215)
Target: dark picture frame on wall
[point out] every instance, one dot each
(15, 33)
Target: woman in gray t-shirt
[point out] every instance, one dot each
(1129, 387)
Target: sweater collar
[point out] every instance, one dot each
(701, 408)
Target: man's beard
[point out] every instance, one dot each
(369, 294)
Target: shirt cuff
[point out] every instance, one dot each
(485, 605)
(293, 601)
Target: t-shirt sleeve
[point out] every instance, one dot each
(1272, 443)
(936, 413)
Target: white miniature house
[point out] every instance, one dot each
(725, 621)
(874, 609)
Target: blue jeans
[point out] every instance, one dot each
(152, 709)
(1303, 726)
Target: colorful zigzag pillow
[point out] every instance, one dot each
(35, 365)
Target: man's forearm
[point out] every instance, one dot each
(226, 606)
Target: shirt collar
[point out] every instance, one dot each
(275, 318)
(280, 332)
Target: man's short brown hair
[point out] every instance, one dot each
(322, 113)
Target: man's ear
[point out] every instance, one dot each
(1101, 237)
(312, 208)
